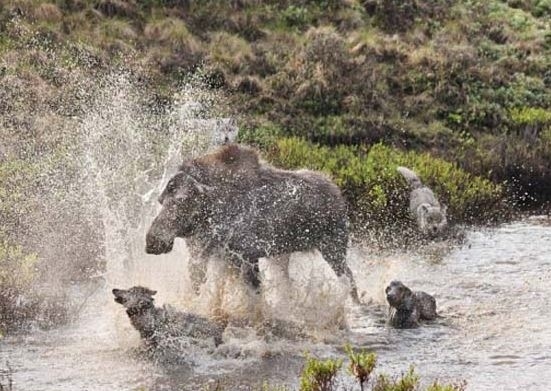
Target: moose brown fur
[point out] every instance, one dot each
(231, 201)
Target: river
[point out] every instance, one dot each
(492, 293)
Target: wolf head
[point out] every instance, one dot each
(399, 296)
(225, 131)
(137, 297)
(431, 219)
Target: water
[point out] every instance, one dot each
(491, 293)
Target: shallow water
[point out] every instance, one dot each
(493, 332)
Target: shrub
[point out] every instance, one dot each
(264, 135)
(17, 274)
(296, 16)
(361, 364)
(319, 375)
(436, 386)
(230, 51)
(530, 121)
(376, 191)
(407, 382)
(172, 32)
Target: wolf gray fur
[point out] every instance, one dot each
(162, 325)
(226, 130)
(230, 202)
(424, 206)
(409, 307)
(220, 131)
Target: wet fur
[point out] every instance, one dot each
(232, 201)
(408, 308)
(424, 206)
(158, 325)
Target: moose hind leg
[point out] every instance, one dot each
(250, 273)
(335, 256)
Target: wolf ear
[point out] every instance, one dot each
(150, 292)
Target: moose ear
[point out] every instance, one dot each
(150, 292)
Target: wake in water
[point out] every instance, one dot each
(122, 153)
(119, 152)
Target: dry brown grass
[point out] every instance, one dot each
(230, 51)
(171, 32)
(47, 12)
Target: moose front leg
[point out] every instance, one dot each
(248, 268)
(250, 274)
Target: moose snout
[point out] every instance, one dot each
(155, 245)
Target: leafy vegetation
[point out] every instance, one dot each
(378, 194)
(319, 375)
(361, 364)
(325, 375)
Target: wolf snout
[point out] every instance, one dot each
(118, 296)
(392, 299)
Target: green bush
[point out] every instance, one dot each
(17, 274)
(531, 116)
(319, 375)
(377, 192)
(361, 364)
(447, 387)
(407, 382)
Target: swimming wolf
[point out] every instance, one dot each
(409, 307)
(159, 325)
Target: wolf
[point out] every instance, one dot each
(424, 206)
(159, 325)
(409, 307)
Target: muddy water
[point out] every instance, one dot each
(494, 332)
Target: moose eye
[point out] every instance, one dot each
(171, 186)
